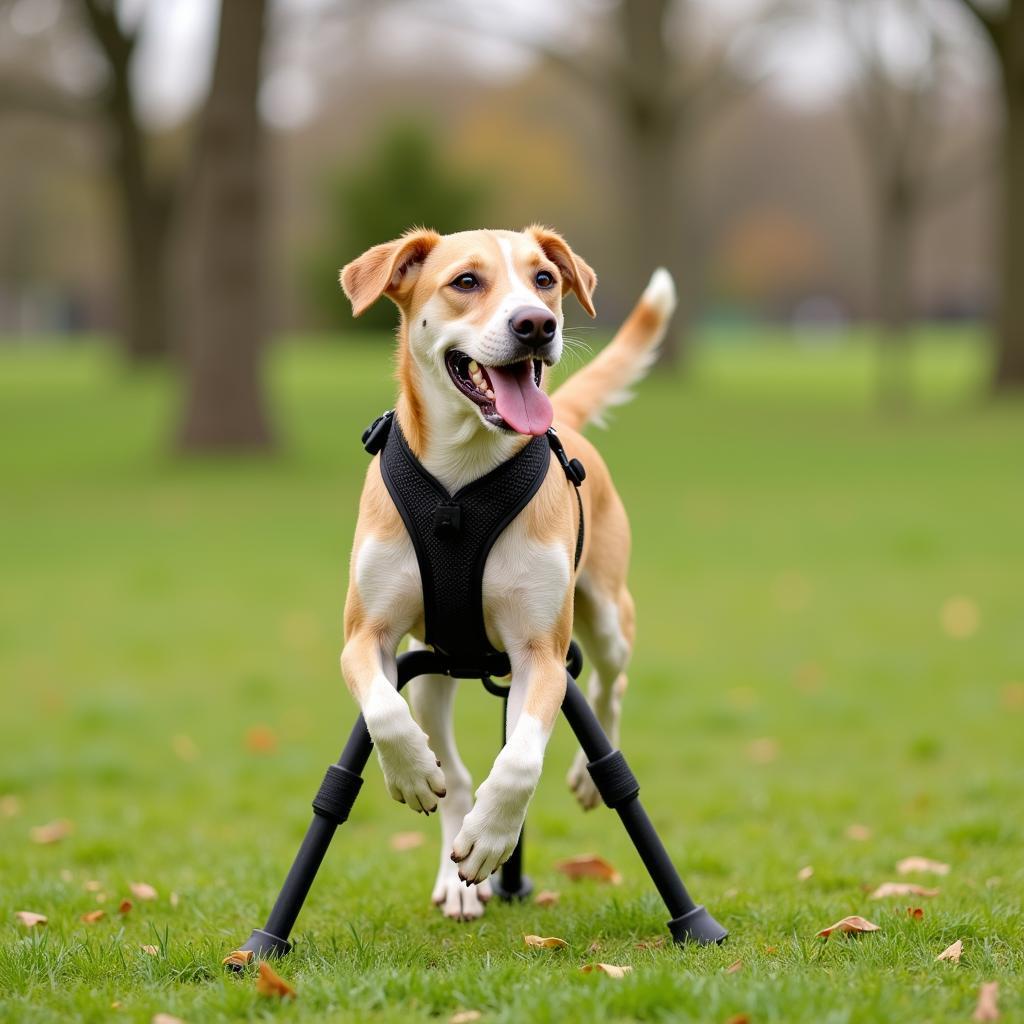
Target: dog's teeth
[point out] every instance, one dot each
(478, 378)
(489, 393)
(474, 367)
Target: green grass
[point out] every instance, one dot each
(793, 550)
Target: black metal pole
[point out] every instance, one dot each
(331, 805)
(619, 789)
(511, 883)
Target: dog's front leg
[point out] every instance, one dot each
(491, 830)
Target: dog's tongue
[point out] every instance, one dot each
(520, 403)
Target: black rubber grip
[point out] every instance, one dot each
(614, 779)
(337, 793)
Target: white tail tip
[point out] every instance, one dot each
(661, 292)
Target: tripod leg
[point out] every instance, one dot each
(620, 790)
(511, 883)
(331, 807)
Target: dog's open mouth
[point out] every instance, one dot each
(508, 396)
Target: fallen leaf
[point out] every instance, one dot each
(165, 1018)
(546, 898)
(30, 919)
(771, 949)
(116, 1004)
(988, 1000)
(902, 889)
(101, 897)
(804, 873)
(52, 832)
(952, 953)
(174, 899)
(465, 1017)
(960, 618)
(124, 906)
(853, 924)
(93, 916)
(10, 805)
(858, 833)
(407, 840)
(655, 943)
(550, 942)
(739, 1018)
(150, 950)
(92, 885)
(612, 970)
(916, 912)
(142, 890)
(239, 958)
(66, 875)
(1013, 697)
(261, 739)
(763, 750)
(736, 965)
(589, 865)
(595, 947)
(921, 865)
(269, 983)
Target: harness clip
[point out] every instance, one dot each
(447, 521)
(376, 434)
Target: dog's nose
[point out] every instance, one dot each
(533, 325)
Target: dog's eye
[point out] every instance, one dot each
(466, 282)
(543, 279)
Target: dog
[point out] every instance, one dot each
(480, 325)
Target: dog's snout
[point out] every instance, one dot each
(533, 325)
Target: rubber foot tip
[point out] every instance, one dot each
(697, 926)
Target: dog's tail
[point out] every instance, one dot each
(607, 379)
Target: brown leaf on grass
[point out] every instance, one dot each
(270, 983)
(10, 806)
(902, 889)
(763, 750)
(736, 965)
(143, 890)
(770, 950)
(238, 958)
(921, 865)
(541, 942)
(261, 739)
(804, 873)
(853, 925)
(952, 953)
(125, 906)
(30, 919)
(858, 833)
(917, 913)
(93, 916)
(589, 865)
(546, 898)
(738, 1018)
(465, 1017)
(92, 885)
(150, 950)
(612, 970)
(960, 618)
(655, 943)
(402, 841)
(988, 1002)
(595, 947)
(52, 832)
(1013, 697)
(165, 1018)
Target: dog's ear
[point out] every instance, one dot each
(577, 275)
(389, 269)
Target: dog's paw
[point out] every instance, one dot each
(489, 833)
(581, 784)
(457, 900)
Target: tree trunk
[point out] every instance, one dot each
(893, 261)
(651, 220)
(225, 403)
(1009, 365)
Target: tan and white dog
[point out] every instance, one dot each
(480, 322)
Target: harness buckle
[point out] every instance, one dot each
(376, 434)
(447, 521)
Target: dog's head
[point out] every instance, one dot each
(481, 314)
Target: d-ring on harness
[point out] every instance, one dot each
(452, 536)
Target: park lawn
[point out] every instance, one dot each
(169, 634)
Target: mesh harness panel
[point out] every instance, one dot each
(453, 534)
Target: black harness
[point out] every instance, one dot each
(453, 534)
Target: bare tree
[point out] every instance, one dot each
(1003, 24)
(146, 202)
(639, 65)
(225, 402)
(897, 114)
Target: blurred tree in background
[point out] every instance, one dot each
(403, 181)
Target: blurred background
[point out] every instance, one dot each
(182, 179)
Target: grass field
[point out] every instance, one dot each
(831, 634)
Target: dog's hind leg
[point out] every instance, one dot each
(432, 699)
(605, 625)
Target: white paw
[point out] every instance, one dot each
(582, 784)
(457, 900)
(490, 831)
(411, 771)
